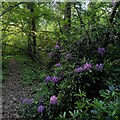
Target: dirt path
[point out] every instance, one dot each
(12, 91)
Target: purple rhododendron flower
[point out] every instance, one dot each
(57, 46)
(99, 67)
(53, 100)
(101, 51)
(24, 100)
(78, 70)
(58, 65)
(87, 66)
(41, 109)
(48, 78)
(54, 79)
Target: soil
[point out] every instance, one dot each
(12, 91)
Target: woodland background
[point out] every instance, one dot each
(68, 52)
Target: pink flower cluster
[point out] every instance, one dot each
(87, 66)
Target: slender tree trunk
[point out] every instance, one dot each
(112, 15)
(29, 34)
(33, 28)
(29, 43)
(33, 37)
(67, 17)
(79, 16)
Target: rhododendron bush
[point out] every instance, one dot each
(78, 85)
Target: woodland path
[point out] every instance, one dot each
(12, 91)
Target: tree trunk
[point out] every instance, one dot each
(29, 43)
(79, 16)
(67, 17)
(112, 15)
(31, 6)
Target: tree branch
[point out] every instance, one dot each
(28, 53)
(112, 15)
(81, 22)
(10, 8)
(60, 27)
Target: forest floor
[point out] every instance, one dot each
(12, 91)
